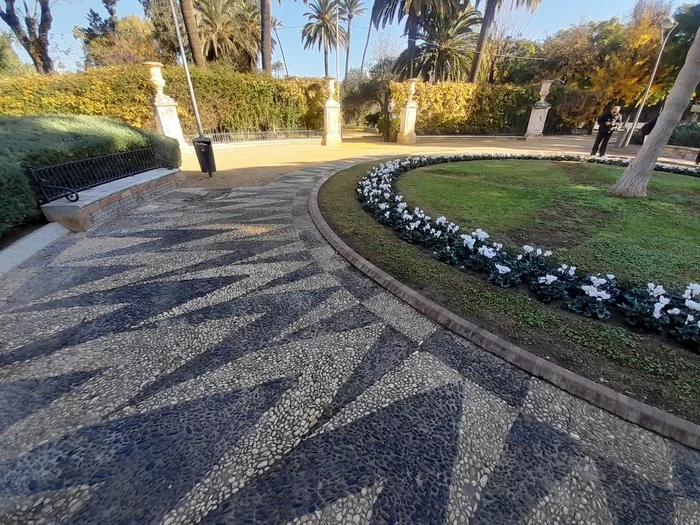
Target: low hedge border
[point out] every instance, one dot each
(671, 313)
(621, 405)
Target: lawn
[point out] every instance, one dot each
(564, 207)
(652, 369)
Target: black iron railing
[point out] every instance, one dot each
(226, 137)
(66, 180)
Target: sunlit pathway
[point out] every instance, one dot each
(209, 358)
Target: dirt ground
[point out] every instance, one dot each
(262, 163)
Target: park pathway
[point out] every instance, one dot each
(210, 359)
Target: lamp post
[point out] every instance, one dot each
(667, 27)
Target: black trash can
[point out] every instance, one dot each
(205, 154)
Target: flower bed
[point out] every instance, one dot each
(673, 313)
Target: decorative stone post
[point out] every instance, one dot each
(167, 120)
(407, 128)
(331, 117)
(538, 116)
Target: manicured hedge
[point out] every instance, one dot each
(46, 140)
(687, 134)
(227, 100)
(456, 108)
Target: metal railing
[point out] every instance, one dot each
(227, 137)
(66, 180)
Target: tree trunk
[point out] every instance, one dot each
(412, 26)
(635, 179)
(347, 49)
(284, 60)
(325, 57)
(35, 39)
(187, 8)
(364, 53)
(266, 36)
(487, 21)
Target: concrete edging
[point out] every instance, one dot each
(24, 248)
(646, 416)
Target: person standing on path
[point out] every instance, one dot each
(607, 124)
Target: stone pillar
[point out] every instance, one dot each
(538, 116)
(165, 108)
(331, 117)
(407, 128)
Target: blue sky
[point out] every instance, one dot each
(551, 16)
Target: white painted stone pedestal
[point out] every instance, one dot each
(331, 117)
(538, 116)
(165, 107)
(409, 113)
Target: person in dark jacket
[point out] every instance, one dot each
(607, 124)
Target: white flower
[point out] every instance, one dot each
(674, 311)
(597, 281)
(610, 277)
(387, 195)
(502, 269)
(520, 257)
(383, 206)
(549, 279)
(548, 253)
(693, 305)
(690, 319)
(692, 291)
(572, 270)
(398, 198)
(468, 241)
(480, 234)
(592, 291)
(528, 249)
(487, 252)
(437, 233)
(538, 252)
(441, 220)
(387, 215)
(654, 290)
(563, 267)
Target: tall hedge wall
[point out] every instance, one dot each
(38, 141)
(227, 100)
(455, 108)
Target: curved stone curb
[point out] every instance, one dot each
(646, 416)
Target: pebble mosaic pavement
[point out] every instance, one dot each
(208, 358)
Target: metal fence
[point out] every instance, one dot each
(227, 137)
(66, 180)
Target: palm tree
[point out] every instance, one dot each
(188, 17)
(230, 31)
(348, 10)
(364, 52)
(277, 24)
(447, 49)
(635, 179)
(277, 68)
(385, 11)
(489, 15)
(266, 35)
(321, 28)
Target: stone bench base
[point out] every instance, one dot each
(111, 199)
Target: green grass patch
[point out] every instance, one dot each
(564, 207)
(644, 366)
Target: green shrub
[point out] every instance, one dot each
(45, 140)
(455, 108)
(571, 109)
(227, 100)
(687, 134)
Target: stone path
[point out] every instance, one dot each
(209, 358)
